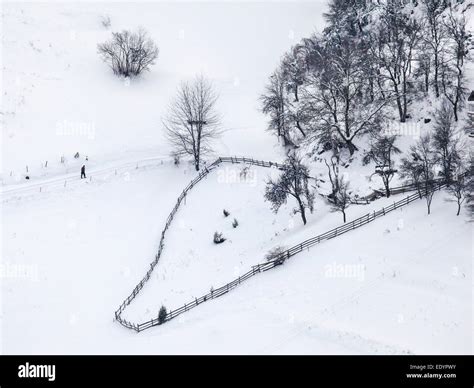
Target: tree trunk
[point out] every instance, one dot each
(459, 208)
(399, 102)
(351, 146)
(344, 216)
(387, 190)
(302, 211)
(299, 127)
(427, 82)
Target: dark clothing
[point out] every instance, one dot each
(83, 172)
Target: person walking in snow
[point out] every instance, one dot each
(83, 171)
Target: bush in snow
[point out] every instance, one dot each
(162, 315)
(218, 238)
(105, 21)
(226, 213)
(129, 53)
(276, 254)
(235, 223)
(176, 158)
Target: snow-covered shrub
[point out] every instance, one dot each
(218, 238)
(105, 21)
(244, 172)
(176, 158)
(275, 254)
(129, 53)
(226, 213)
(235, 223)
(162, 315)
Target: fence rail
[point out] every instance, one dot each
(202, 174)
(262, 267)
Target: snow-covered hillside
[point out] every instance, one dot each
(72, 249)
(401, 284)
(60, 98)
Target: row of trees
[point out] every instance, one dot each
(332, 88)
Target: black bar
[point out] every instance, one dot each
(316, 371)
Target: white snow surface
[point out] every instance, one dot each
(401, 284)
(72, 250)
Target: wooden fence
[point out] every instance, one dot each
(202, 174)
(369, 217)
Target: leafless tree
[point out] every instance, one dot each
(459, 187)
(435, 37)
(334, 96)
(420, 168)
(333, 174)
(275, 104)
(192, 121)
(293, 182)
(129, 53)
(393, 45)
(445, 141)
(382, 149)
(453, 79)
(342, 197)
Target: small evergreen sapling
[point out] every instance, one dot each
(162, 315)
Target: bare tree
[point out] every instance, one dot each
(129, 53)
(445, 142)
(381, 152)
(420, 167)
(275, 104)
(333, 174)
(459, 187)
(334, 96)
(342, 197)
(293, 182)
(435, 37)
(393, 45)
(192, 122)
(453, 79)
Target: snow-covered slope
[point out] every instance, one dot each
(72, 249)
(59, 98)
(401, 284)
